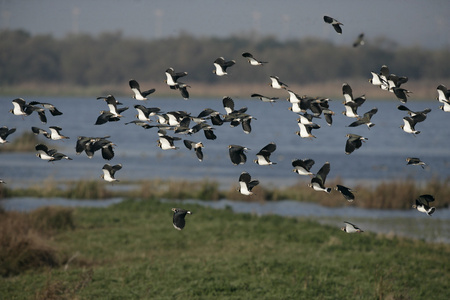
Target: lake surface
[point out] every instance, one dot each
(381, 158)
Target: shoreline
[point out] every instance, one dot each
(421, 90)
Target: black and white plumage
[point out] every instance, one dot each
(237, 154)
(22, 108)
(335, 23)
(166, 142)
(263, 156)
(51, 108)
(346, 192)
(144, 113)
(395, 81)
(182, 87)
(423, 204)
(401, 94)
(379, 81)
(197, 146)
(37, 131)
(246, 184)
(172, 77)
(351, 228)
(143, 124)
(55, 133)
(303, 166)
(420, 115)
(351, 105)
(366, 119)
(4, 133)
(109, 172)
(49, 154)
(359, 41)
(276, 83)
(92, 144)
(305, 130)
(264, 98)
(221, 66)
(138, 94)
(253, 61)
(105, 117)
(443, 94)
(178, 217)
(409, 124)
(415, 161)
(318, 181)
(353, 142)
(112, 105)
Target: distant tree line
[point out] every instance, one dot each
(111, 58)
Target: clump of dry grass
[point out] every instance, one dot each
(58, 289)
(24, 237)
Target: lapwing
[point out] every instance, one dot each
(109, 171)
(263, 156)
(55, 133)
(336, 24)
(293, 97)
(395, 81)
(351, 228)
(419, 115)
(366, 119)
(415, 161)
(377, 80)
(178, 217)
(303, 166)
(305, 130)
(264, 98)
(21, 108)
(423, 204)
(221, 66)
(143, 124)
(359, 41)
(106, 147)
(237, 154)
(445, 107)
(172, 77)
(105, 117)
(197, 146)
(276, 83)
(166, 142)
(182, 87)
(37, 131)
(246, 184)
(443, 94)
(4, 133)
(85, 144)
(353, 142)
(51, 108)
(138, 94)
(49, 154)
(144, 113)
(253, 61)
(401, 94)
(318, 181)
(207, 130)
(112, 105)
(409, 124)
(346, 192)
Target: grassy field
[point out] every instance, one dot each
(131, 251)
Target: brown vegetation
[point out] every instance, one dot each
(25, 238)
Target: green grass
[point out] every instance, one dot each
(132, 251)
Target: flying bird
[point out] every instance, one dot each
(197, 146)
(303, 166)
(144, 113)
(237, 154)
(415, 161)
(172, 77)
(253, 61)
(263, 156)
(366, 119)
(351, 228)
(318, 181)
(109, 171)
(138, 94)
(264, 98)
(409, 124)
(221, 66)
(4, 133)
(423, 204)
(246, 184)
(276, 83)
(353, 142)
(346, 192)
(401, 94)
(359, 41)
(335, 23)
(178, 217)
(49, 154)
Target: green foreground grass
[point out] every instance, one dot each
(131, 251)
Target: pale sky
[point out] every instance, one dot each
(408, 22)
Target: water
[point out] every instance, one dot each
(382, 157)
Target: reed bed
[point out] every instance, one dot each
(400, 194)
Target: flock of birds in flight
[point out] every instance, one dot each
(306, 107)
